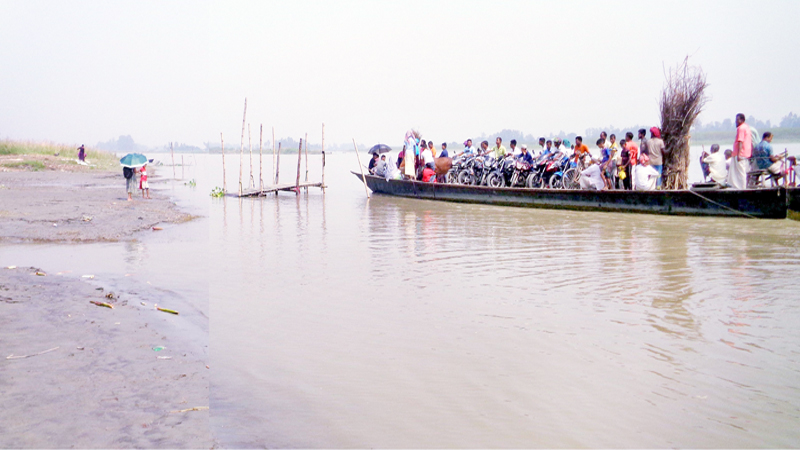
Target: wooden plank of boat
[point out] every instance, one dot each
(753, 203)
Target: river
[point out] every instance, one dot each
(338, 321)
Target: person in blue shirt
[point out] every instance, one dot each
(525, 155)
(444, 153)
(765, 159)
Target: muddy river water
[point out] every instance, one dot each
(337, 321)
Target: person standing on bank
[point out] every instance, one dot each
(742, 150)
(130, 181)
(81, 153)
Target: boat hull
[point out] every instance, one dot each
(758, 203)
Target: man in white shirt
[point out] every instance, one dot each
(645, 175)
(592, 178)
(427, 158)
(716, 165)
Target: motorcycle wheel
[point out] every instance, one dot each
(556, 182)
(495, 180)
(464, 177)
(514, 179)
(452, 176)
(533, 181)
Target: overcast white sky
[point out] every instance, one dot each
(89, 71)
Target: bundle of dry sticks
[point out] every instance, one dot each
(682, 101)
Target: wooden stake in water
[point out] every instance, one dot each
(299, 160)
(363, 178)
(278, 168)
(323, 157)
(260, 158)
(274, 165)
(173, 160)
(183, 175)
(224, 184)
(250, 147)
(241, 146)
(306, 150)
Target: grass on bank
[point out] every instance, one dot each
(57, 153)
(27, 164)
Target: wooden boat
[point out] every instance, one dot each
(771, 203)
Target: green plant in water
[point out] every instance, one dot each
(191, 183)
(217, 192)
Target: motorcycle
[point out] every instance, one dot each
(501, 175)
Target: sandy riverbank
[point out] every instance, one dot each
(103, 385)
(91, 378)
(76, 206)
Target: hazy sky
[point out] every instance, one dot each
(89, 71)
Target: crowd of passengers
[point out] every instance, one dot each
(625, 164)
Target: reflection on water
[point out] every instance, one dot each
(340, 322)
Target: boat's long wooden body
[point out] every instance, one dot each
(760, 203)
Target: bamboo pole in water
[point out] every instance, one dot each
(274, 165)
(299, 161)
(260, 158)
(173, 160)
(306, 150)
(278, 168)
(241, 146)
(250, 147)
(323, 157)
(224, 184)
(183, 175)
(363, 178)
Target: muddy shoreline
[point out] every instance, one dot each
(75, 374)
(55, 206)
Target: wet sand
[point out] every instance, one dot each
(79, 206)
(104, 385)
(91, 378)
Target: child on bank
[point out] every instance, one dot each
(143, 185)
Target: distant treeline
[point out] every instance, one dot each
(788, 130)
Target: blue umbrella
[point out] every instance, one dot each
(133, 160)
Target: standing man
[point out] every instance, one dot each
(81, 153)
(514, 150)
(643, 150)
(581, 150)
(742, 150)
(656, 147)
(541, 148)
(604, 137)
(633, 155)
(432, 148)
(444, 153)
(499, 151)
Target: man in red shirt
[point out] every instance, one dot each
(742, 150)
